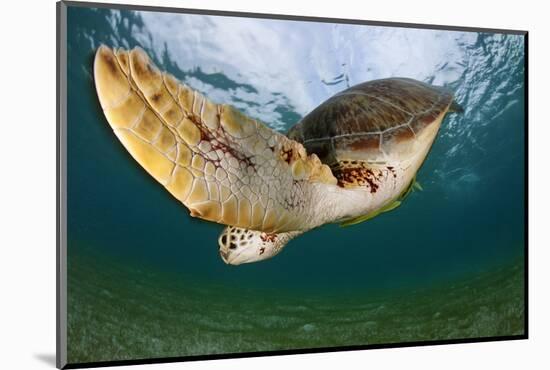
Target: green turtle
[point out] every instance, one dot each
(353, 157)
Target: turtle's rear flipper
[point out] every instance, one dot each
(358, 220)
(389, 207)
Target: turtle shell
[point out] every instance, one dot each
(371, 119)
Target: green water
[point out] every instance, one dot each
(146, 280)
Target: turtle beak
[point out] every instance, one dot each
(234, 257)
(224, 255)
(230, 258)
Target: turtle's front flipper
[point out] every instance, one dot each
(238, 246)
(222, 165)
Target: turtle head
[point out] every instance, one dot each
(238, 246)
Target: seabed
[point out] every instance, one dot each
(118, 312)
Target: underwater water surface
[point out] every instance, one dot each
(146, 280)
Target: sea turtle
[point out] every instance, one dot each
(353, 157)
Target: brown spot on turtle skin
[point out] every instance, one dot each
(370, 179)
(156, 97)
(232, 246)
(139, 71)
(224, 239)
(360, 176)
(268, 237)
(392, 170)
(171, 114)
(122, 57)
(111, 63)
(286, 155)
(262, 250)
(207, 135)
(372, 185)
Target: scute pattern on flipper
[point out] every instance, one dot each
(224, 166)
